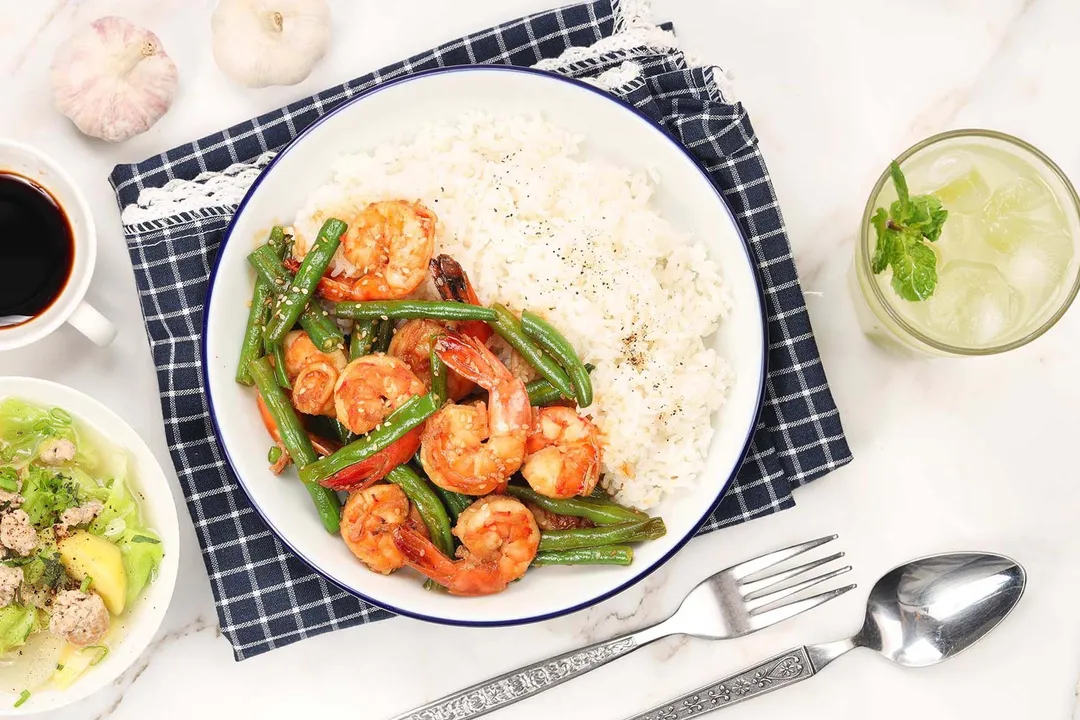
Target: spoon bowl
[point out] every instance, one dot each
(936, 607)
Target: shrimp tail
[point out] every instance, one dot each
(422, 555)
(470, 358)
(453, 284)
(367, 472)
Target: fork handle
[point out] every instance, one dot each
(776, 672)
(509, 688)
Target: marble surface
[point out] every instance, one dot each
(971, 454)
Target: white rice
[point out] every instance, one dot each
(575, 240)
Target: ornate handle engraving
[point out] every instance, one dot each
(524, 682)
(777, 672)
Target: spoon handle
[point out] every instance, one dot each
(776, 672)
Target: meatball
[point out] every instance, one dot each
(78, 617)
(57, 451)
(82, 515)
(10, 580)
(11, 499)
(16, 532)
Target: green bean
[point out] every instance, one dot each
(438, 377)
(550, 339)
(400, 422)
(455, 502)
(608, 504)
(252, 347)
(321, 328)
(295, 440)
(402, 309)
(600, 512)
(383, 336)
(276, 241)
(509, 329)
(542, 393)
(607, 555)
(277, 352)
(292, 302)
(323, 331)
(362, 338)
(427, 504)
(343, 433)
(622, 533)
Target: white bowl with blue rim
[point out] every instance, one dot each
(613, 131)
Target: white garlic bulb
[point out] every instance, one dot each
(270, 42)
(113, 79)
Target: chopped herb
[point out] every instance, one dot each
(23, 697)
(274, 455)
(48, 494)
(102, 652)
(59, 667)
(900, 234)
(144, 539)
(9, 479)
(86, 583)
(53, 574)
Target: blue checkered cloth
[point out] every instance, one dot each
(265, 596)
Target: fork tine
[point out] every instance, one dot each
(771, 617)
(772, 597)
(751, 588)
(750, 567)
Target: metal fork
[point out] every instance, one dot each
(727, 605)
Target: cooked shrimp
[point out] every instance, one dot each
(474, 449)
(368, 521)
(499, 539)
(370, 388)
(453, 284)
(563, 453)
(312, 373)
(389, 243)
(412, 343)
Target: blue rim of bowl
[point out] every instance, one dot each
(763, 374)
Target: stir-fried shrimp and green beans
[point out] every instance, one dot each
(446, 461)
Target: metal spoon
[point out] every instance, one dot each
(918, 614)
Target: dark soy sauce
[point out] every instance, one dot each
(37, 247)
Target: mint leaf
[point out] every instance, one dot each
(900, 182)
(900, 235)
(914, 267)
(927, 216)
(884, 239)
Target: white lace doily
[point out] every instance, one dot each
(635, 34)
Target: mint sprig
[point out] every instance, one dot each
(901, 233)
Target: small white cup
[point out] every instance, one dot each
(69, 306)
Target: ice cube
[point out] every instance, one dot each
(1037, 255)
(1023, 195)
(956, 180)
(973, 305)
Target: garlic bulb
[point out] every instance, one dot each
(270, 42)
(113, 79)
